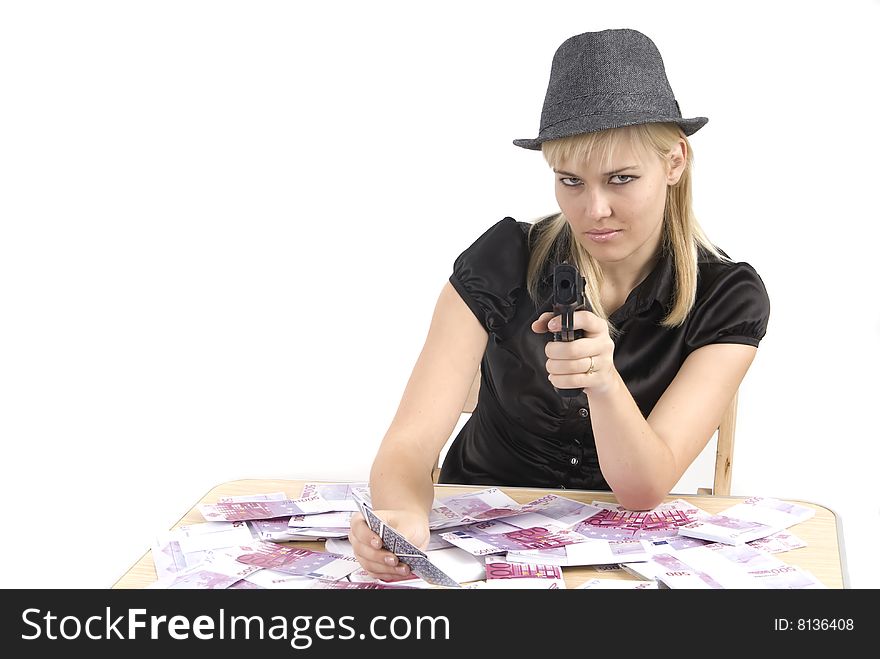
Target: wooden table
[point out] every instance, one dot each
(823, 556)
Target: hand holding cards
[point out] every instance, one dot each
(405, 551)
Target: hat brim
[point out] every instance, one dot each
(579, 127)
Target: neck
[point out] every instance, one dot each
(627, 275)
(621, 277)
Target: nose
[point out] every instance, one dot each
(596, 204)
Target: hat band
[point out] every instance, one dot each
(605, 104)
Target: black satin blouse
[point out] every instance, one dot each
(522, 432)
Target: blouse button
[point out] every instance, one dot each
(584, 412)
(562, 487)
(574, 461)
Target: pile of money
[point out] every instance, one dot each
(484, 539)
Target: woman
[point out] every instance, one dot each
(674, 325)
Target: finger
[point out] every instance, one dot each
(362, 532)
(366, 544)
(540, 324)
(583, 319)
(571, 366)
(378, 561)
(577, 349)
(373, 558)
(387, 568)
(386, 572)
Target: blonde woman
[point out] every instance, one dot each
(674, 323)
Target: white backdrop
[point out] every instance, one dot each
(225, 224)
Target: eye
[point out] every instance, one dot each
(569, 181)
(619, 178)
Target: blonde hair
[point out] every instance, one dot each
(551, 236)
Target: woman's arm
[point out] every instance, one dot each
(430, 407)
(642, 459)
(401, 487)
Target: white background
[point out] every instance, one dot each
(225, 225)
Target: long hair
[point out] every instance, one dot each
(551, 237)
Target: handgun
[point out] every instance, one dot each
(568, 297)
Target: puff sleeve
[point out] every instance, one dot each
(732, 307)
(489, 273)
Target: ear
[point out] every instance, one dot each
(676, 160)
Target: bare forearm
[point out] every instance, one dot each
(635, 461)
(401, 478)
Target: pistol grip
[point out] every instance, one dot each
(568, 335)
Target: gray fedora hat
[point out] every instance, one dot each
(607, 79)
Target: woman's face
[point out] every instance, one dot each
(616, 212)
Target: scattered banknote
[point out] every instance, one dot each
(789, 577)
(767, 569)
(552, 509)
(494, 537)
(592, 552)
(168, 558)
(654, 570)
(270, 579)
(615, 523)
(618, 584)
(729, 530)
(490, 503)
(772, 512)
(188, 545)
(272, 496)
(674, 573)
(351, 585)
(297, 560)
(362, 576)
(212, 535)
(725, 566)
(279, 529)
(235, 511)
(673, 543)
(216, 571)
(339, 495)
(334, 519)
(501, 574)
(778, 542)
(443, 517)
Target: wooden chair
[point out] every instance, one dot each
(723, 450)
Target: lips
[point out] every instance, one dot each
(603, 235)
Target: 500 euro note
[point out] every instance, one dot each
(728, 530)
(496, 537)
(501, 574)
(234, 511)
(217, 571)
(772, 512)
(592, 552)
(490, 503)
(768, 570)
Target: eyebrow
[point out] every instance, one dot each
(611, 173)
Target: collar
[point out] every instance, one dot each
(657, 287)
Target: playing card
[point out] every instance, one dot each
(405, 551)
